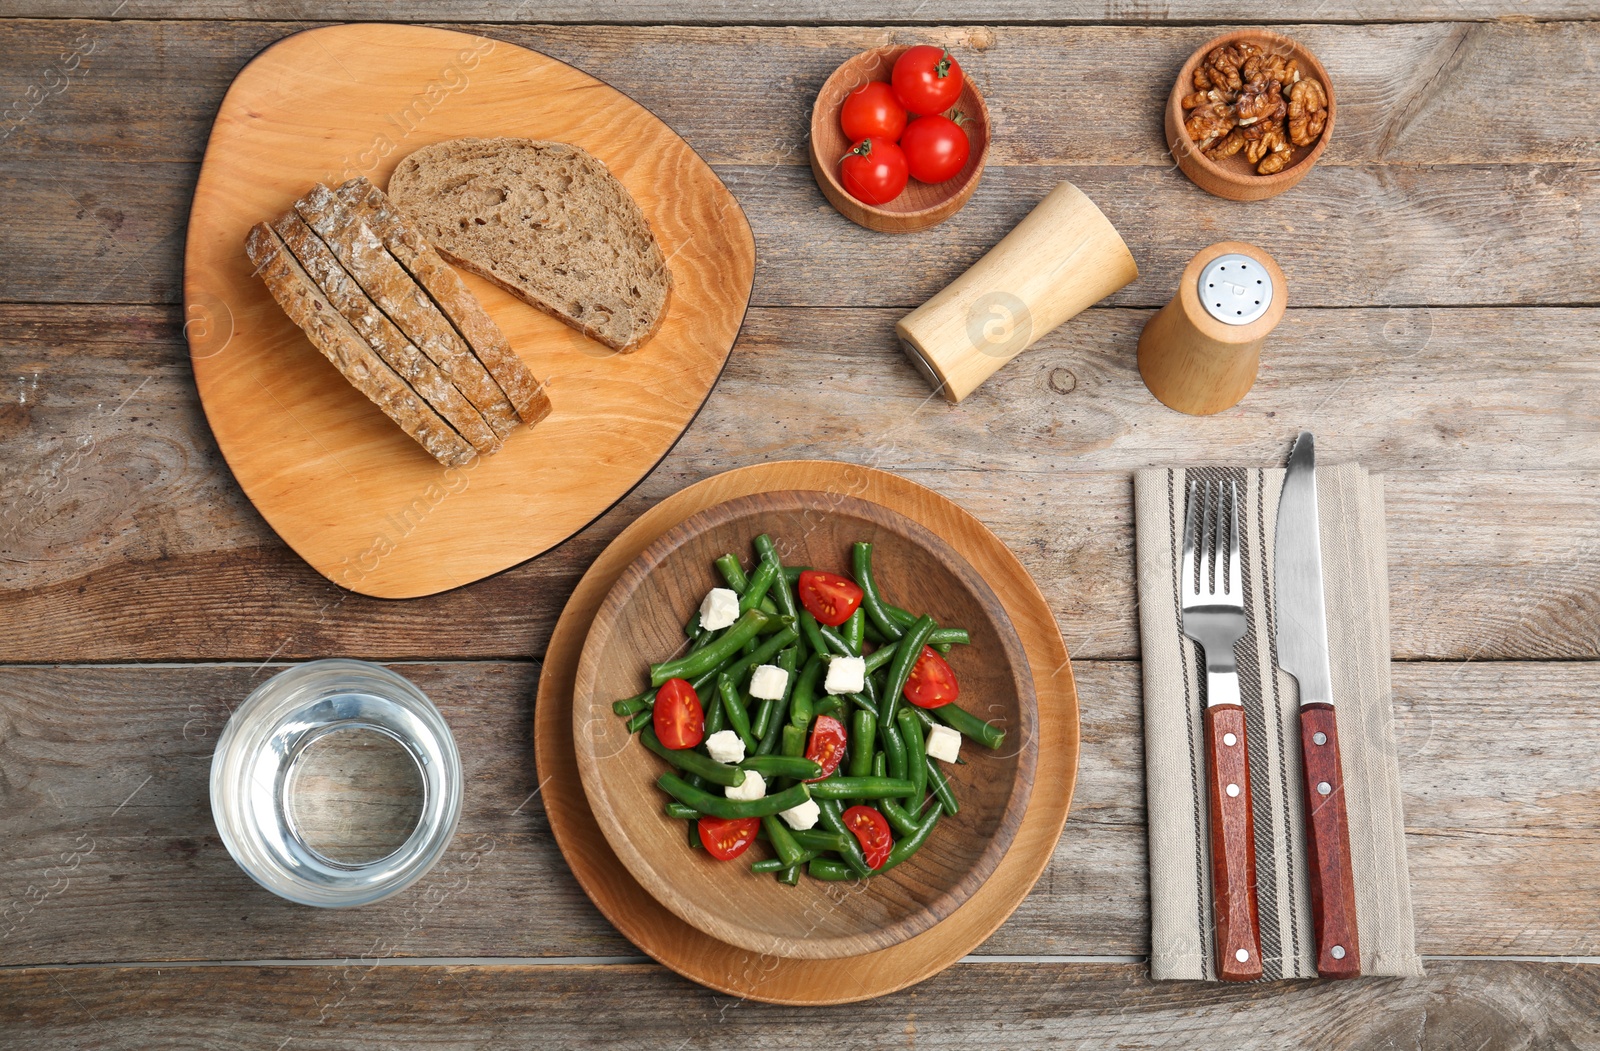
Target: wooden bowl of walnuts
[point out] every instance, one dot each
(1249, 115)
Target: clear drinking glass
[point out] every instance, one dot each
(252, 774)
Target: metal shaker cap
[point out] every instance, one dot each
(1235, 289)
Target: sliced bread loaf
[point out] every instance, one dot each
(339, 342)
(483, 336)
(546, 221)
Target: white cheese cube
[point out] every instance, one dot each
(944, 743)
(846, 675)
(725, 747)
(754, 787)
(720, 608)
(803, 816)
(767, 682)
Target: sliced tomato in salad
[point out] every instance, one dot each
(727, 838)
(827, 745)
(828, 596)
(932, 682)
(678, 718)
(871, 830)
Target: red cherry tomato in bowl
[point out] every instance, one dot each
(927, 80)
(872, 110)
(936, 148)
(874, 171)
(871, 830)
(828, 596)
(827, 745)
(678, 718)
(727, 838)
(932, 682)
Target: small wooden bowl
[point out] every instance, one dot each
(1235, 177)
(920, 205)
(642, 620)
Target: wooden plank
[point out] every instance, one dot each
(123, 516)
(1509, 218)
(1014, 1005)
(108, 827)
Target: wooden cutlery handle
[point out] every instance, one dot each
(1233, 845)
(1333, 884)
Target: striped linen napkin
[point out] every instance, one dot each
(1357, 594)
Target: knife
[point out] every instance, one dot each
(1303, 653)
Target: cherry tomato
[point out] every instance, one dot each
(870, 110)
(935, 147)
(871, 831)
(828, 596)
(927, 80)
(678, 718)
(932, 682)
(827, 745)
(874, 171)
(727, 838)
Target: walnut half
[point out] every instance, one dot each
(1248, 100)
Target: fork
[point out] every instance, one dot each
(1213, 616)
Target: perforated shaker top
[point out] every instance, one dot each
(1235, 289)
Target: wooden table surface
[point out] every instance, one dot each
(1444, 270)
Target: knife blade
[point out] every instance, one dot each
(1303, 653)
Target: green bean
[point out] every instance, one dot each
(832, 871)
(698, 663)
(794, 740)
(716, 717)
(733, 707)
(802, 703)
(861, 788)
(691, 761)
(874, 636)
(880, 765)
(635, 704)
(835, 641)
(791, 574)
(723, 807)
(916, 755)
(832, 704)
(941, 787)
(760, 655)
(906, 654)
(940, 636)
(789, 852)
(790, 877)
(776, 864)
(811, 630)
(969, 725)
(864, 705)
(880, 656)
(912, 843)
(853, 631)
(818, 841)
(871, 600)
(639, 721)
(784, 593)
(832, 815)
(704, 639)
(771, 705)
(760, 582)
(904, 618)
(778, 717)
(677, 810)
(801, 769)
(692, 628)
(732, 572)
(894, 750)
(903, 821)
(865, 727)
(693, 830)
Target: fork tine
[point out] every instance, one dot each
(1190, 519)
(1235, 584)
(1208, 555)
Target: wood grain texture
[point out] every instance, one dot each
(123, 515)
(1233, 844)
(1503, 823)
(1460, 1003)
(641, 621)
(1332, 881)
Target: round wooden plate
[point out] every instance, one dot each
(642, 621)
(738, 972)
(345, 487)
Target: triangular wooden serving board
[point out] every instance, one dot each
(342, 485)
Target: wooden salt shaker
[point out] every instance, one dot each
(1199, 354)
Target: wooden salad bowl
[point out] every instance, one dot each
(1235, 178)
(920, 205)
(642, 620)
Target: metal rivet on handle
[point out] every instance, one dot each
(1319, 738)
(1323, 788)
(1235, 289)
(1244, 954)
(1337, 952)
(1230, 740)
(1233, 790)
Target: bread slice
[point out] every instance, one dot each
(481, 334)
(331, 334)
(379, 333)
(546, 221)
(388, 285)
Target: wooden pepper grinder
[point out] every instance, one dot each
(1199, 354)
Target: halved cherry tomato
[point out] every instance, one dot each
(936, 148)
(872, 109)
(874, 171)
(927, 80)
(828, 596)
(932, 682)
(727, 838)
(871, 831)
(827, 745)
(678, 718)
